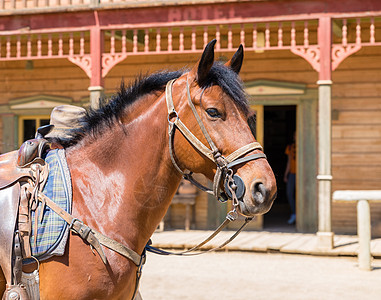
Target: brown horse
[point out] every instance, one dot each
(123, 176)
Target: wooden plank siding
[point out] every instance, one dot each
(52, 77)
(356, 134)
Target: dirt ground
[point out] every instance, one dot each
(243, 275)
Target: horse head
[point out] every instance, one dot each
(211, 103)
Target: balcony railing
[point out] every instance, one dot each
(30, 6)
(142, 40)
(300, 36)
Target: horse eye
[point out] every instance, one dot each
(214, 113)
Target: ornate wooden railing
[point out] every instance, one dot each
(31, 6)
(122, 41)
(118, 42)
(352, 34)
(24, 5)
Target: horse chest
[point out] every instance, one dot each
(82, 275)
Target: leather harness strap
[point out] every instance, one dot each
(213, 147)
(244, 150)
(17, 264)
(94, 238)
(177, 123)
(199, 246)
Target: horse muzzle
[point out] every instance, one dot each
(258, 199)
(253, 198)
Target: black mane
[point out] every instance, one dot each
(111, 110)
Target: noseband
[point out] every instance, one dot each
(233, 184)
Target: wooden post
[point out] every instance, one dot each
(10, 141)
(187, 216)
(325, 234)
(363, 220)
(363, 232)
(96, 92)
(96, 81)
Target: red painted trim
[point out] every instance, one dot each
(311, 54)
(324, 42)
(96, 50)
(82, 61)
(261, 10)
(340, 53)
(111, 60)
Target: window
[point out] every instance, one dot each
(28, 126)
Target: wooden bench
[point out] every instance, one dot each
(189, 200)
(363, 220)
(185, 195)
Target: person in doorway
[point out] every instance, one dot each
(289, 178)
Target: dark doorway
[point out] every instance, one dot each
(279, 128)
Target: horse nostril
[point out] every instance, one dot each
(259, 192)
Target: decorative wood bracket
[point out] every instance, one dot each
(110, 60)
(311, 54)
(83, 61)
(340, 52)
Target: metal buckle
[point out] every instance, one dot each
(37, 261)
(171, 115)
(232, 215)
(72, 223)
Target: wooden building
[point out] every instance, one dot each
(313, 67)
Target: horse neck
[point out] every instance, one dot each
(124, 180)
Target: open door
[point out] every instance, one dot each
(279, 129)
(277, 98)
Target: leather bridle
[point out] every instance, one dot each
(234, 185)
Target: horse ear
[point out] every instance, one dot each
(236, 61)
(202, 68)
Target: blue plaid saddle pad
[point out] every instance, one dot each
(52, 232)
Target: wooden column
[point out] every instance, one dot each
(10, 134)
(325, 234)
(364, 228)
(364, 234)
(96, 81)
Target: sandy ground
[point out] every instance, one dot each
(242, 275)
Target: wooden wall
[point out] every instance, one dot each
(356, 133)
(57, 77)
(356, 107)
